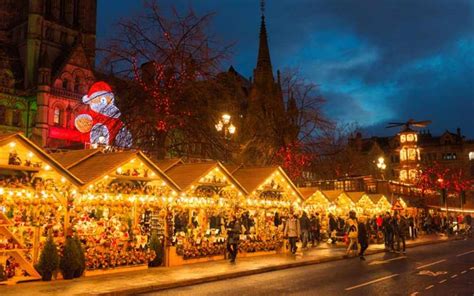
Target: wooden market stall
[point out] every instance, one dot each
(363, 204)
(341, 203)
(314, 199)
(35, 194)
(271, 197)
(209, 195)
(123, 201)
(381, 202)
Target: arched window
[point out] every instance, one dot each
(62, 10)
(65, 83)
(77, 85)
(3, 115)
(75, 20)
(16, 118)
(48, 9)
(57, 116)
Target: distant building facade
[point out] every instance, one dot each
(47, 56)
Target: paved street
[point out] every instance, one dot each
(442, 269)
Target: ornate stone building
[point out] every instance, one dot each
(47, 54)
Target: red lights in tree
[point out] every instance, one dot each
(292, 159)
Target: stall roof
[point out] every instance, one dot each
(167, 164)
(307, 192)
(185, 175)
(101, 164)
(70, 158)
(355, 196)
(233, 167)
(45, 156)
(375, 198)
(332, 195)
(252, 177)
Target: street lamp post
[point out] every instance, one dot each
(225, 126)
(381, 166)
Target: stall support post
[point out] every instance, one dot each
(135, 214)
(36, 241)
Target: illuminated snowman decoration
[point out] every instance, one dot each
(102, 121)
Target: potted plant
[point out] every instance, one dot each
(49, 260)
(69, 263)
(81, 257)
(156, 246)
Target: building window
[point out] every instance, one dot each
(57, 117)
(65, 83)
(449, 156)
(77, 85)
(403, 175)
(403, 154)
(16, 118)
(3, 114)
(48, 9)
(62, 10)
(75, 20)
(471, 155)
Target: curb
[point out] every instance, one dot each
(183, 283)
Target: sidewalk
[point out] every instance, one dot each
(171, 277)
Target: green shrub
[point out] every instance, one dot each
(69, 263)
(81, 256)
(49, 260)
(155, 245)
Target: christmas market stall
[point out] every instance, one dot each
(121, 207)
(271, 196)
(209, 197)
(35, 194)
(382, 204)
(363, 204)
(341, 203)
(314, 199)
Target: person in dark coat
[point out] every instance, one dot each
(362, 237)
(388, 231)
(333, 226)
(402, 229)
(234, 229)
(305, 225)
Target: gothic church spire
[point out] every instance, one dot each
(264, 64)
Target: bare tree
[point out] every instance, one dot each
(168, 63)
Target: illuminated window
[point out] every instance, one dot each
(410, 137)
(403, 175)
(412, 154)
(412, 174)
(403, 138)
(471, 155)
(416, 138)
(57, 118)
(403, 154)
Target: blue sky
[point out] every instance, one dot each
(374, 60)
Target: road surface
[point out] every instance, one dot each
(440, 269)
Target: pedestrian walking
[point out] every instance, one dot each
(333, 227)
(363, 237)
(234, 229)
(292, 231)
(388, 231)
(352, 235)
(315, 229)
(305, 225)
(401, 229)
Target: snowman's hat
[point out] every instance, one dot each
(99, 88)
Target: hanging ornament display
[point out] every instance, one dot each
(102, 121)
